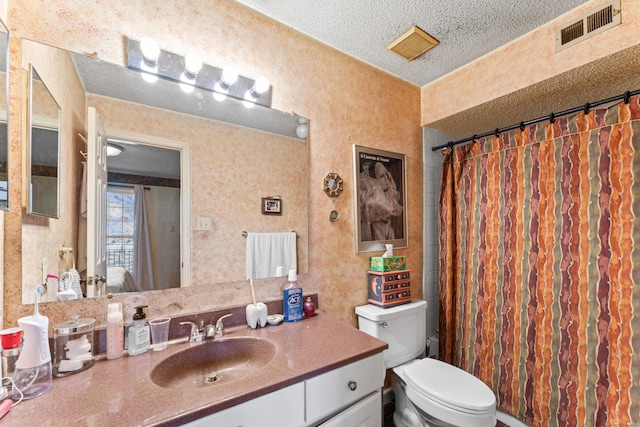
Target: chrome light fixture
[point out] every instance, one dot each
(190, 72)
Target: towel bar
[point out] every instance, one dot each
(245, 234)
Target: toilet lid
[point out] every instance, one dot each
(450, 386)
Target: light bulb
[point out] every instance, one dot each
(229, 76)
(149, 78)
(261, 85)
(150, 50)
(249, 100)
(219, 93)
(187, 83)
(302, 130)
(192, 63)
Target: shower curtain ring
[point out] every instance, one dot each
(552, 118)
(497, 132)
(627, 95)
(521, 126)
(587, 107)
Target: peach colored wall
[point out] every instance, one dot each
(526, 61)
(347, 102)
(225, 184)
(41, 237)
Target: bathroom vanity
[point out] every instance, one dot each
(319, 371)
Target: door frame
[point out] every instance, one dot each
(185, 190)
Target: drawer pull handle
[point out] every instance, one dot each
(353, 385)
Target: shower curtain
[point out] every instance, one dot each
(540, 267)
(142, 259)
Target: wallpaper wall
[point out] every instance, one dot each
(347, 102)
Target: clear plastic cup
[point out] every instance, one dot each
(159, 332)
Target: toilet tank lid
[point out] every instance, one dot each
(375, 313)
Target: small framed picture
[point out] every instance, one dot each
(271, 206)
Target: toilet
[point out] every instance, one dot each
(428, 392)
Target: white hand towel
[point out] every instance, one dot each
(267, 251)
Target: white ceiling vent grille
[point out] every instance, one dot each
(590, 24)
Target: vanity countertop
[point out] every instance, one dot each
(119, 392)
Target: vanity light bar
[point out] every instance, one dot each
(170, 66)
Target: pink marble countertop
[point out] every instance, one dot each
(120, 393)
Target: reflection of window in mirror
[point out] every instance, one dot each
(120, 226)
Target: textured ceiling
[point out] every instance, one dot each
(466, 29)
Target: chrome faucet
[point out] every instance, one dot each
(209, 331)
(220, 326)
(195, 335)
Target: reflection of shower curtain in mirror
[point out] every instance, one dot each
(142, 264)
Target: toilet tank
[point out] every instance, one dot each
(403, 327)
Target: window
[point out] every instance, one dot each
(120, 226)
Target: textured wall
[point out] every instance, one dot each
(529, 69)
(346, 101)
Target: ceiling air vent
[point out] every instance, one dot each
(588, 25)
(412, 44)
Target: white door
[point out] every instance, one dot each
(96, 206)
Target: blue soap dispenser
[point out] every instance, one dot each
(139, 338)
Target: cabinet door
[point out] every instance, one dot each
(365, 413)
(333, 391)
(280, 408)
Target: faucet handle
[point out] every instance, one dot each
(220, 326)
(194, 335)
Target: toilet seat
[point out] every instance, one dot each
(450, 386)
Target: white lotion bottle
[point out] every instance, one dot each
(32, 375)
(115, 331)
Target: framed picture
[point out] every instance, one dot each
(271, 206)
(380, 199)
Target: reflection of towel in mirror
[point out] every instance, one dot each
(267, 251)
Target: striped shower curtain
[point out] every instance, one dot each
(540, 267)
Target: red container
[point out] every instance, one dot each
(10, 338)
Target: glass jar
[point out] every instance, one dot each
(73, 346)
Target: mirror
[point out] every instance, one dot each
(231, 157)
(44, 148)
(4, 116)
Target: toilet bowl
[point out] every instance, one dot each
(441, 395)
(428, 392)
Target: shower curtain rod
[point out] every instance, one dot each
(551, 117)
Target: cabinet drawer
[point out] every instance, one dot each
(330, 392)
(365, 413)
(283, 407)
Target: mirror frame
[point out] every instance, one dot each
(30, 126)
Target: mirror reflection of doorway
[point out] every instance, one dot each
(143, 230)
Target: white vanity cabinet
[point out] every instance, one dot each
(346, 396)
(284, 407)
(333, 391)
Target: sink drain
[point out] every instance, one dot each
(212, 378)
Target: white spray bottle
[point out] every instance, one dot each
(32, 375)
